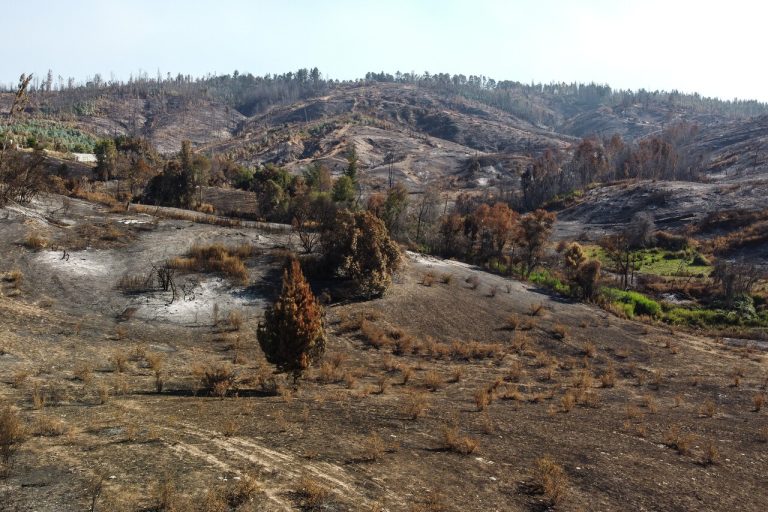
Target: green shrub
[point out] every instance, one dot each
(638, 303)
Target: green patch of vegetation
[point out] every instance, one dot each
(741, 314)
(546, 279)
(661, 262)
(50, 135)
(633, 303)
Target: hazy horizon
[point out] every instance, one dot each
(685, 46)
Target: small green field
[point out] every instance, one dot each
(661, 262)
(50, 135)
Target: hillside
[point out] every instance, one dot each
(395, 417)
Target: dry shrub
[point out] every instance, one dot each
(589, 349)
(373, 334)
(515, 372)
(242, 491)
(329, 373)
(406, 372)
(373, 448)
(12, 433)
(758, 400)
(49, 426)
(119, 361)
(428, 279)
(536, 309)
(103, 393)
(608, 377)
(19, 378)
(206, 208)
(589, 398)
(216, 258)
(382, 384)
(433, 381)
(457, 372)
(762, 434)
(167, 496)
(235, 319)
(446, 278)
(472, 282)
(350, 380)
(650, 403)
(230, 427)
(711, 454)
(415, 405)
(403, 345)
(513, 321)
(83, 372)
(483, 399)
(14, 277)
(583, 379)
(38, 396)
(633, 412)
(550, 480)
(708, 409)
(559, 331)
(218, 380)
(312, 494)
(675, 439)
(454, 442)
(35, 242)
(568, 401)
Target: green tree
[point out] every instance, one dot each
(292, 334)
(352, 161)
(344, 190)
(395, 206)
(106, 159)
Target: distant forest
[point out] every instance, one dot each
(250, 95)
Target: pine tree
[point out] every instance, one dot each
(292, 335)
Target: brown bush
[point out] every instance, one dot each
(758, 399)
(12, 434)
(218, 380)
(550, 480)
(675, 439)
(433, 381)
(708, 409)
(312, 495)
(35, 242)
(453, 441)
(216, 258)
(415, 405)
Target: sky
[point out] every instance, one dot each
(713, 48)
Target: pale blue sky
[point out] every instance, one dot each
(715, 48)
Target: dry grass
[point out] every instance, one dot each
(758, 400)
(550, 480)
(415, 405)
(453, 441)
(711, 454)
(218, 380)
(35, 242)
(12, 434)
(608, 377)
(708, 409)
(373, 448)
(675, 439)
(312, 495)
(119, 361)
(433, 380)
(216, 258)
